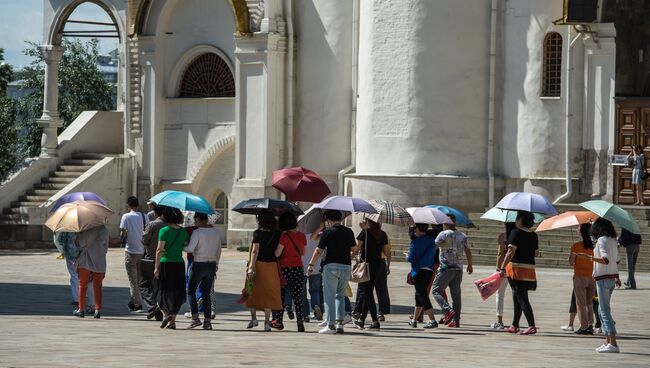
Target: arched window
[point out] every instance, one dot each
(207, 75)
(221, 207)
(552, 65)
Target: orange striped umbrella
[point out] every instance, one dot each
(566, 219)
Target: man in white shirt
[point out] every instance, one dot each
(205, 245)
(132, 226)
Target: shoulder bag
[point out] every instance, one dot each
(361, 270)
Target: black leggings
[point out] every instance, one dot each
(367, 298)
(295, 279)
(522, 304)
(421, 281)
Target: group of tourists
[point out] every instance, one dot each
(308, 276)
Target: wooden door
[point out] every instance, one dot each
(632, 128)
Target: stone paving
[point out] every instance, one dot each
(37, 329)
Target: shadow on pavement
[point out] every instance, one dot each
(55, 300)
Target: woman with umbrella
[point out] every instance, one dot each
(372, 242)
(263, 269)
(91, 264)
(519, 265)
(170, 267)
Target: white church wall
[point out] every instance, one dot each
(423, 87)
(323, 95)
(532, 134)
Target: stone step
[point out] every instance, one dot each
(59, 180)
(88, 156)
(76, 168)
(25, 204)
(33, 198)
(42, 192)
(9, 216)
(80, 162)
(66, 174)
(50, 186)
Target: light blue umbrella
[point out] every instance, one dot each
(498, 214)
(524, 201)
(461, 217)
(183, 201)
(613, 213)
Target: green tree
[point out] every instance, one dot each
(7, 121)
(82, 87)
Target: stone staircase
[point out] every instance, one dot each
(555, 245)
(65, 174)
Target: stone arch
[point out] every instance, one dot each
(208, 156)
(137, 11)
(190, 55)
(63, 14)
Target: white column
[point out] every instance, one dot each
(50, 120)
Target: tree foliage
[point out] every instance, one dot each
(81, 87)
(7, 117)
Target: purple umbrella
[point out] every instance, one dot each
(523, 201)
(343, 203)
(78, 196)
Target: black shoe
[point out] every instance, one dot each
(152, 313)
(381, 318)
(374, 326)
(290, 314)
(584, 331)
(135, 308)
(420, 319)
(359, 324)
(301, 327)
(97, 315)
(79, 313)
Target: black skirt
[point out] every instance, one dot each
(522, 285)
(170, 291)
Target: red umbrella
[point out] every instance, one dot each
(300, 184)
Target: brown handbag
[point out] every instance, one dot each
(361, 270)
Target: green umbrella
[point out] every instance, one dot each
(498, 214)
(612, 213)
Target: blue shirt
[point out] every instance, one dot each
(422, 253)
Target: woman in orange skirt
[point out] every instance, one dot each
(263, 270)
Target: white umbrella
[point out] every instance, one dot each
(424, 215)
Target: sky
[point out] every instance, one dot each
(22, 20)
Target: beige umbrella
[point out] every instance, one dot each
(78, 216)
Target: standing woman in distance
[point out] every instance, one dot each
(170, 267)
(584, 286)
(637, 159)
(263, 270)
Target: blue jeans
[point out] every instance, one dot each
(335, 279)
(315, 289)
(605, 289)
(201, 273)
(74, 283)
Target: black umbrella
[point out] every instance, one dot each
(254, 205)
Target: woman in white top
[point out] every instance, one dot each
(605, 272)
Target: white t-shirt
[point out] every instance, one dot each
(134, 223)
(205, 245)
(309, 251)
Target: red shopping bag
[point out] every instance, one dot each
(488, 285)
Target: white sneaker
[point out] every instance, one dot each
(328, 330)
(598, 349)
(347, 319)
(188, 314)
(599, 330)
(323, 324)
(567, 328)
(497, 326)
(609, 349)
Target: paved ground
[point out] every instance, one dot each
(37, 329)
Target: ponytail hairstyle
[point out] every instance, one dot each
(585, 233)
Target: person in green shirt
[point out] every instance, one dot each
(170, 267)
